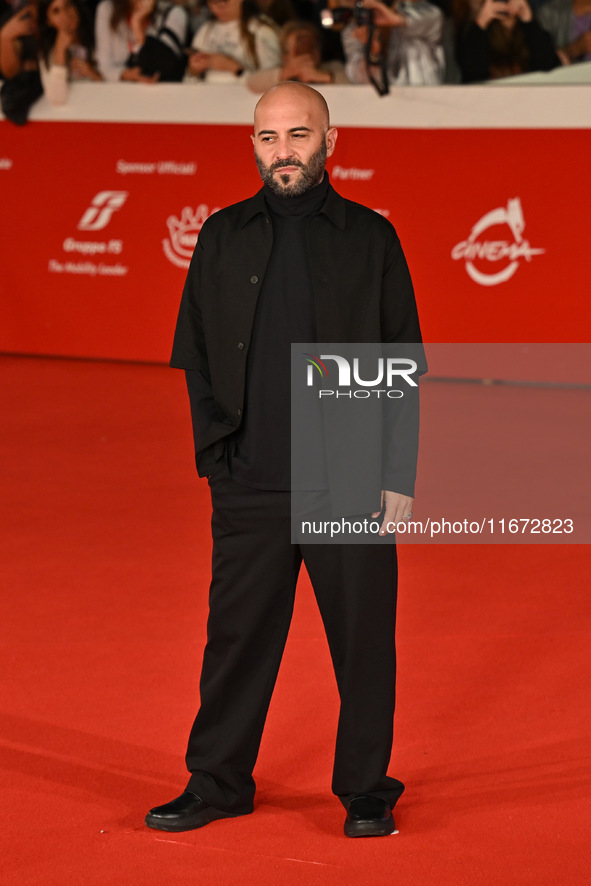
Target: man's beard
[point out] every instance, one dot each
(311, 173)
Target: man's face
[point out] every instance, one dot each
(291, 141)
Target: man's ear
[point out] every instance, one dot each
(331, 140)
(252, 139)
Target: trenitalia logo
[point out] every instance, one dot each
(99, 213)
(386, 371)
(494, 251)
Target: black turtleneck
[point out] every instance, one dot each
(259, 454)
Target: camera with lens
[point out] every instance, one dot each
(376, 61)
(342, 15)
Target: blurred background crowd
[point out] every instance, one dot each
(46, 44)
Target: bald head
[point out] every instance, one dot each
(299, 94)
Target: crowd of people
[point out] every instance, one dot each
(46, 44)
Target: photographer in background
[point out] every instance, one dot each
(301, 53)
(501, 39)
(66, 51)
(406, 44)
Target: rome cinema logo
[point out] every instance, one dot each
(183, 233)
(490, 252)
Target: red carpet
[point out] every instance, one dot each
(105, 564)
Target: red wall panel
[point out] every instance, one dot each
(100, 219)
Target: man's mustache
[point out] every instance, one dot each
(281, 163)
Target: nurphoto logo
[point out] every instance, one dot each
(384, 371)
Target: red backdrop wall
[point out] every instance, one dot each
(102, 218)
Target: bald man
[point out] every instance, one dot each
(294, 263)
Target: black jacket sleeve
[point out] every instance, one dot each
(401, 331)
(189, 353)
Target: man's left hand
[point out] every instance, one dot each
(396, 507)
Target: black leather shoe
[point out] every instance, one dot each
(369, 816)
(185, 813)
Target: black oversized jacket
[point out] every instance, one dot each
(362, 293)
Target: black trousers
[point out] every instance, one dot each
(254, 574)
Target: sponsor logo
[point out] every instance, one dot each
(99, 213)
(352, 174)
(387, 371)
(88, 268)
(489, 253)
(5, 163)
(183, 233)
(91, 247)
(96, 217)
(163, 167)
